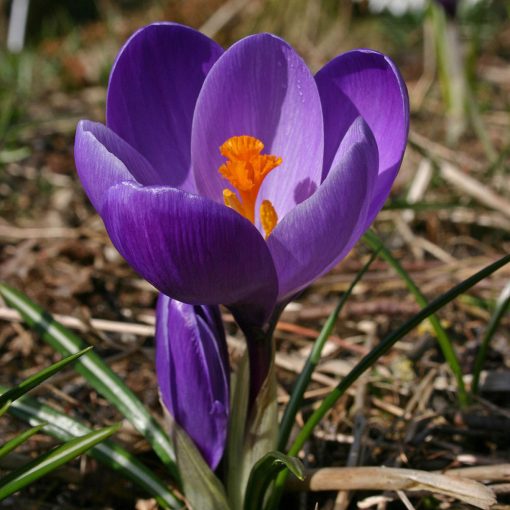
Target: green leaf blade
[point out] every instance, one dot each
(98, 374)
(19, 440)
(443, 339)
(203, 489)
(112, 455)
(38, 378)
(502, 307)
(313, 359)
(385, 345)
(264, 472)
(367, 361)
(46, 463)
(240, 392)
(5, 408)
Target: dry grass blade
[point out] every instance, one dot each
(381, 478)
(474, 188)
(223, 16)
(108, 326)
(492, 472)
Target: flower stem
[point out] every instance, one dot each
(259, 342)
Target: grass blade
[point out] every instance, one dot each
(384, 346)
(36, 379)
(367, 361)
(39, 467)
(264, 472)
(19, 439)
(501, 307)
(114, 456)
(444, 341)
(98, 374)
(313, 359)
(5, 408)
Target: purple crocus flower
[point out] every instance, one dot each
(236, 176)
(193, 372)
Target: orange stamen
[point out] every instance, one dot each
(268, 217)
(231, 200)
(245, 169)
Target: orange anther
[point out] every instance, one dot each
(268, 217)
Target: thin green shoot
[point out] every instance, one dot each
(50, 461)
(313, 359)
(444, 341)
(502, 306)
(38, 378)
(116, 458)
(97, 373)
(367, 361)
(19, 440)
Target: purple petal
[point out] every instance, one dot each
(191, 248)
(193, 373)
(154, 85)
(366, 83)
(318, 233)
(262, 88)
(103, 160)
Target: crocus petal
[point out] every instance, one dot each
(103, 160)
(191, 248)
(193, 373)
(262, 88)
(366, 83)
(316, 234)
(154, 85)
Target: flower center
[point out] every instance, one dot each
(246, 169)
